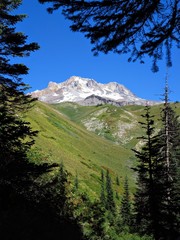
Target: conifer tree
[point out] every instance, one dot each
(147, 198)
(117, 181)
(126, 205)
(57, 194)
(117, 196)
(96, 221)
(102, 196)
(16, 135)
(61, 187)
(76, 182)
(110, 204)
(169, 152)
(157, 198)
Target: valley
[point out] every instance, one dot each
(88, 139)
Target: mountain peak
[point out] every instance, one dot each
(75, 80)
(53, 85)
(78, 89)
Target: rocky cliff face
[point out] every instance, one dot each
(88, 92)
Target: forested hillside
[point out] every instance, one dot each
(89, 139)
(95, 145)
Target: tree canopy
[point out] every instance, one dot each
(139, 28)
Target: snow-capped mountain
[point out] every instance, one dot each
(87, 91)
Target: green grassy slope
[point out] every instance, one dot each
(118, 124)
(81, 151)
(88, 139)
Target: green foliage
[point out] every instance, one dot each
(90, 153)
(123, 120)
(13, 131)
(157, 195)
(102, 196)
(96, 222)
(117, 181)
(147, 198)
(80, 150)
(117, 196)
(126, 213)
(169, 151)
(110, 203)
(57, 193)
(84, 152)
(76, 182)
(130, 236)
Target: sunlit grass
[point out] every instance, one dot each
(63, 138)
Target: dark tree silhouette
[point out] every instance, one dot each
(17, 174)
(16, 135)
(157, 198)
(169, 151)
(148, 196)
(137, 27)
(37, 210)
(60, 191)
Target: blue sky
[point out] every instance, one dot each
(64, 53)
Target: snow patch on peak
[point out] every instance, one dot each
(77, 89)
(78, 80)
(53, 86)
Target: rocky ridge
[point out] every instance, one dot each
(85, 91)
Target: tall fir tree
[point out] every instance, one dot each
(147, 199)
(76, 182)
(126, 205)
(57, 194)
(16, 135)
(102, 194)
(157, 198)
(169, 152)
(117, 181)
(110, 203)
(62, 191)
(17, 174)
